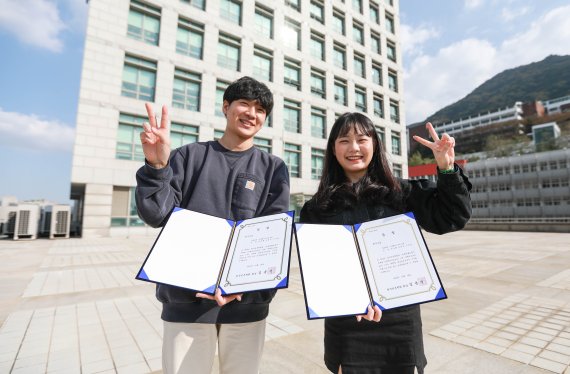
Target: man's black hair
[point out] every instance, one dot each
(250, 89)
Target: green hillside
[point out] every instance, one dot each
(543, 80)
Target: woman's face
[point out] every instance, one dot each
(354, 152)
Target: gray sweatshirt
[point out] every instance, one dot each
(207, 178)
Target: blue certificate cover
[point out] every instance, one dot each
(201, 252)
(384, 262)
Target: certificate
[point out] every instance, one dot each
(346, 268)
(200, 252)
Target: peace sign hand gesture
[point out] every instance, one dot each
(443, 149)
(156, 140)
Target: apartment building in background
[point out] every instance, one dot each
(320, 58)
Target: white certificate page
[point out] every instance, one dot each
(399, 268)
(259, 254)
(332, 274)
(189, 251)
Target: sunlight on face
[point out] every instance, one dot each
(354, 152)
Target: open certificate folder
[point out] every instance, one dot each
(384, 262)
(202, 252)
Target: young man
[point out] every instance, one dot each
(228, 178)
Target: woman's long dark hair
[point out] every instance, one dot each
(378, 185)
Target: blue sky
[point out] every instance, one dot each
(449, 48)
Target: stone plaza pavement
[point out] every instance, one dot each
(73, 306)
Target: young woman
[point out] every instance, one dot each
(358, 186)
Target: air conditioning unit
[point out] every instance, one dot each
(8, 227)
(56, 221)
(27, 221)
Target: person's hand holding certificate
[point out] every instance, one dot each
(203, 253)
(382, 263)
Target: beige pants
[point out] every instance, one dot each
(191, 347)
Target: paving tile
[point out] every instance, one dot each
(555, 356)
(525, 348)
(488, 347)
(513, 354)
(549, 365)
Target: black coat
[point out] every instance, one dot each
(366, 347)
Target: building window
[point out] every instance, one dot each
(128, 137)
(229, 52)
(190, 38)
(318, 11)
(292, 34)
(396, 149)
(339, 56)
(358, 32)
(317, 163)
(186, 91)
(359, 66)
(375, 43)
(139, 78)
(144, 22)
(360, 98)
(318, 123)
(318, 83)
(263, 144)
(338, 22)
(394, 111)
(292, 73)
(292, 116)
(220, 89)
(340, 91)
(200, 4)
(390, 23)
(262, 64)
(376, 73)
(378, 102)
(295, 4)
(391, 50)
(292, 158)
(374, 13)
(357, 5)
(317, 45)
(218, 134)
(393, 80)
(397, 170)
(381, 134)
(231, 10)
(181, 134)
(264, 21)
(124, 208)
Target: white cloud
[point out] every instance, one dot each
(413, 38)
(78, 9)
(548, 35)
(35, 22)
(472, 4)
(433, 82)
(509, 14)
(28, 131)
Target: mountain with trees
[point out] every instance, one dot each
(543, 80)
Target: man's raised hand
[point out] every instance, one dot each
(155, 140)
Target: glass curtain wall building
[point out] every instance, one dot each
(319, 58)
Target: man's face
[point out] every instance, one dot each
(244, 117)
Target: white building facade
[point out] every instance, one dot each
(509, 113)
(319, 58)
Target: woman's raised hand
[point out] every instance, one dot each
(443, 149)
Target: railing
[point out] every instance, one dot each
(535, 220)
